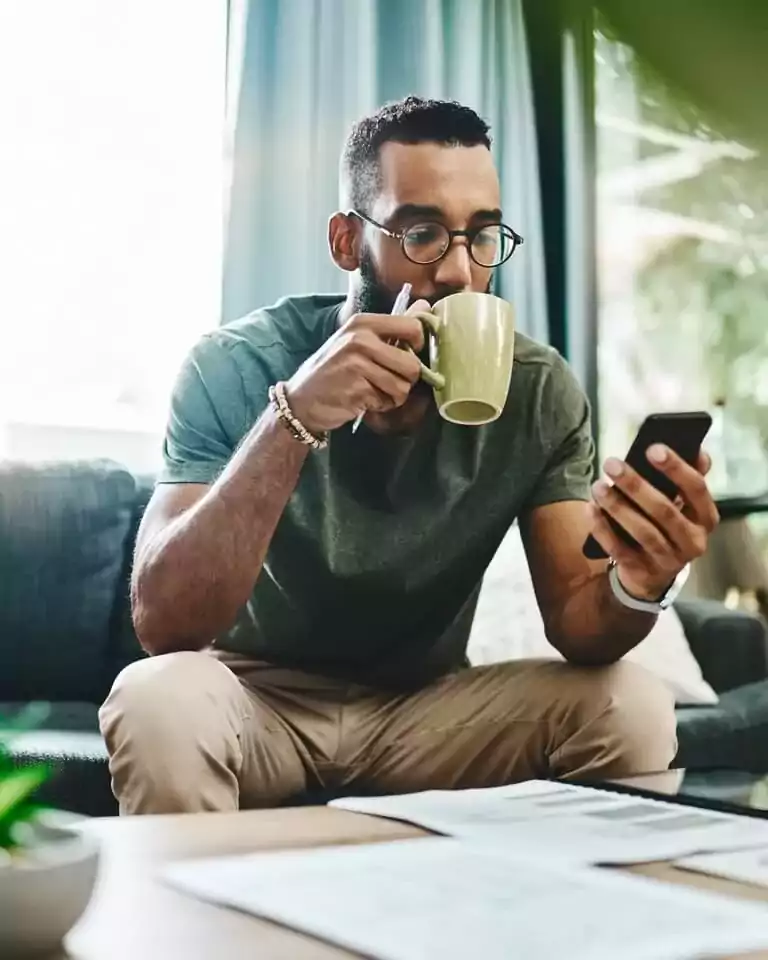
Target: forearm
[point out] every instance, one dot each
(192, 578)
(593, 627)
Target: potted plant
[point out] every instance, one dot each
(47, 866)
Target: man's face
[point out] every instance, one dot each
(457, 186)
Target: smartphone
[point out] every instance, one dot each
(681, 432)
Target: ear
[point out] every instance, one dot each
(344, 241)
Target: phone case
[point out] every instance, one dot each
(681, 432)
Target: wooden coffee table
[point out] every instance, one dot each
(134, 916)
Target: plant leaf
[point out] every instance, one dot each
(17, 786)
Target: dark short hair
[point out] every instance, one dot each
(411, 120)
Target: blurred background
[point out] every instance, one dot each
(168, 165)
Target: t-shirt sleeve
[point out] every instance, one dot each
(206, 417)
(566, 430)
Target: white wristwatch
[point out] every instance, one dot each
(647, 606)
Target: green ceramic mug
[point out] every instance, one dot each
(472, 348)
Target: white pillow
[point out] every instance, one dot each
(508, 626)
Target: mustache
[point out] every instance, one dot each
(373, 296)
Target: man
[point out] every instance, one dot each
(307, 591)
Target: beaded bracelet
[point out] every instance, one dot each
(294, 426)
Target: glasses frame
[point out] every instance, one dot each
(470, 234)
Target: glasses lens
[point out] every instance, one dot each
(493, 245)
(426, 242)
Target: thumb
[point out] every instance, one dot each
(418, 306)
(704, 463)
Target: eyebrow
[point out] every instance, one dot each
(410, 211)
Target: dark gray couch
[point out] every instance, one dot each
(66, 536)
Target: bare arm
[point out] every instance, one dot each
(200, 548)
(584, 621)
(582, 618)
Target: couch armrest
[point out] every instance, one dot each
(731, 646)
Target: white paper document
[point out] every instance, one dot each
(452, 899)
(745, 866)
(582, 825)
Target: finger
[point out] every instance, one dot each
(699, 505)
(387, 328)
(403, 363)
(418, 306)
(703, 463)
(663, 512)
(659, 552)
(396, 389)
(376, 402)
(609, 540)
(369, 399)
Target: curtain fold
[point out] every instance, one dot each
(300, 72)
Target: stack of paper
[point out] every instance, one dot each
(516, 879)
(450, 899)
(542, 818)
(744, 866)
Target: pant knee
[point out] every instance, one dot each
(641, 711)
(172, 726)
(627, 717)
(168, 688)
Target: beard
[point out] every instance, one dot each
(373, 296)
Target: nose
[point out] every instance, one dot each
(455, 269)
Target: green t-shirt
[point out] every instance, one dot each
(376, 563)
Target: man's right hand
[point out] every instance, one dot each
(358, 368)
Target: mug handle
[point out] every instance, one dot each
(431, 326)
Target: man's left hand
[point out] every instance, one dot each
(669, 533)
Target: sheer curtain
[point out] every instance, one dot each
(301, 71)
(110, 218)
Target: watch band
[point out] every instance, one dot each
(646, 606)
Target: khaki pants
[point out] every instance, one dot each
(194, 731)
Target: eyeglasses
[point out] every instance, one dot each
(489, 245)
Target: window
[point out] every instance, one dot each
(682, 271)
(111, 227)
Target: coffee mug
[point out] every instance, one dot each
(472, 348)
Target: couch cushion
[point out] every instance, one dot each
(732, 733)
(124, 648)
(509, 626)
(63, 535)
